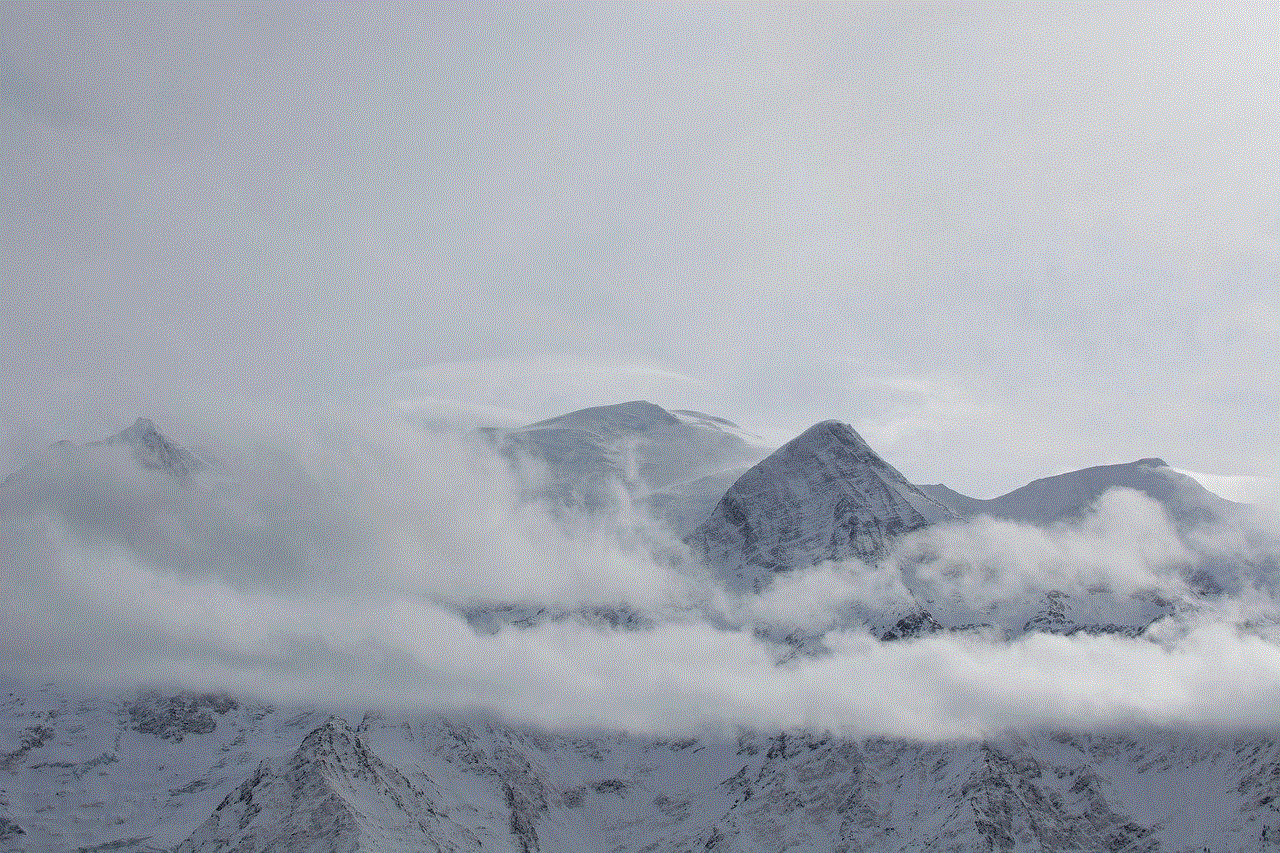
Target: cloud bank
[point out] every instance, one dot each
(327, 559)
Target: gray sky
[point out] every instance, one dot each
(1001, 241)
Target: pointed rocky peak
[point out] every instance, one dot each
(916, 624)
(336, 751)
(335, 737)
(834, 455)
(828, 433)
(332, 793)
(154, 451)
(143, 431)
(830, 444)
(824, 495)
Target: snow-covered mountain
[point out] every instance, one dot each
(1066, 496)
(96, 773)
(142, 442)
(824, 495)
(659, 457)
(196, 773)
(331, 794)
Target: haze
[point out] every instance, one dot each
(1000, 241)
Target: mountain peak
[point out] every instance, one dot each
(153, 450)
(824, 495)
(334, 736)
(828, 433)
(1067, 496)
(610, 421)
(319, 799)
(143, 431)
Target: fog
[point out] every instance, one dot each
(1000, 241)
(327, 558)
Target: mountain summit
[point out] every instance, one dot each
(153, 450)
(825, 495)
(332, 794)
(1067, 496)
(583, 457)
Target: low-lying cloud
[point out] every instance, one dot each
(330, 560)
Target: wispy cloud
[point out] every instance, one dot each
(325, 561)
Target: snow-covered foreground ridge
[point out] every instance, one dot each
(207, 773)
(808, 651)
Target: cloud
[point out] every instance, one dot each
(327, 555)
(537, 387)
(1242, 488)
(784, 204)
(1125, 543)
(815, 600)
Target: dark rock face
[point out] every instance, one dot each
(825, 495)
(9, 830)
(913, 625)
(33, 738)
(332, 794)
(1011, 802)
(155, 452)
(175, 717)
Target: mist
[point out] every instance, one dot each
(331, 557)
(931, 221)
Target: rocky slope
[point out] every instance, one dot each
(333, 795)
(824, 495)
(79, 774)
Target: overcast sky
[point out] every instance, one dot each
(1001, 242)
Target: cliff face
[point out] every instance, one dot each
(825, 495)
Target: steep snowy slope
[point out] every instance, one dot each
(636, 446)
(825, 495)
(264, 779)
(80, 770)
(681, 507)
(1066, 496)
(331, 796)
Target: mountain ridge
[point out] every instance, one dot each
(274, 780)
(1065, 496)
(823, 496)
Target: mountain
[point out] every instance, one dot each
(333, 795)
(152, 450)
(824, 495)
(155, 772)
(1067, 496)
(86, 772)
(143, 443)
(583, 458)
